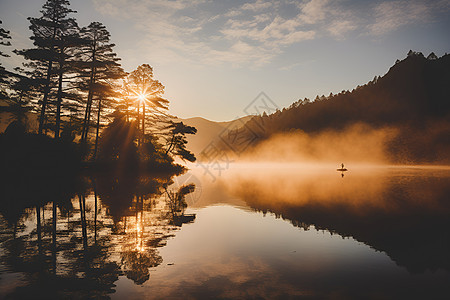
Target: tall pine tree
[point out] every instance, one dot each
(99, 68)
(68, 45)
(48, 33)
(147, 91)
(4, 75)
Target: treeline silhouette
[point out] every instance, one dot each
(412, 97)
(72, 86)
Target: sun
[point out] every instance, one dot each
(141, 97)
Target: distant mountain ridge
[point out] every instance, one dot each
(210, 131)
(413, 96)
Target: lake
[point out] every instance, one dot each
(266, 231)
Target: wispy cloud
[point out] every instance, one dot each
(339, 28)
(253, 33)
(392, 15)
(313, 11)
(257, 6)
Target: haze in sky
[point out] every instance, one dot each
(215, 57)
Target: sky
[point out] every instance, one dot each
(215, 57)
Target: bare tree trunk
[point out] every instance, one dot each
(98, 126)
(54, 238)
(95, 215)
(59, 98)
(138, 122)
(87, 115)
(143, 122)
(38, 228)
(47, 88)
(172, 142)
(45, 99)
(83, 220)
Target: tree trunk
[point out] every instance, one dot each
(54, 238)
(138, 122)
(98, 126)
(38, 229)
(143, 122)
(87, 115)
(95, 213)
(172, 142)
(47, 88)
(83, 220)
(45, 99)
(59, 98)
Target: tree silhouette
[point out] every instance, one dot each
(176, 202)
(146, 90)
(67, 45)
(4, 41)
(48, 33)
(98, 66)
(106, 100)
(176, 140)
(117, 143)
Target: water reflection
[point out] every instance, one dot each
(404, 212)
(75, 237)
(258, 231)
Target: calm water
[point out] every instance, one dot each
(272, 231)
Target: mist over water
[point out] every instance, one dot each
(401, 213)
(359, 143)
(269, 230)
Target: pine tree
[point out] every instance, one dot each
(99, 67)
(49, 32)
(4, 75)
(147, 90)
(176, 140)
(68, 45)
(106, 102)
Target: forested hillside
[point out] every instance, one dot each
(413, 98)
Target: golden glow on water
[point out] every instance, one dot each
(258, 231)
(362, 189)
(139, 232)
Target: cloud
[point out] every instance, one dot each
(257, 6)
(313, 11)
(251, 34)
(392, 15)
(339, 28)
(254, 33)
(273, 34)
(107, 8)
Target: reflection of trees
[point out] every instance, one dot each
(49, 255)
(142, 218)
(176, 202)
(84, 234)
(116, 193)
(408, 219)
(137, 264)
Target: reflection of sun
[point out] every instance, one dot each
(139, 233)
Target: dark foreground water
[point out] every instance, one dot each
(274, 231)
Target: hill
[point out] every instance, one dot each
(412, 97)
(209, 131)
